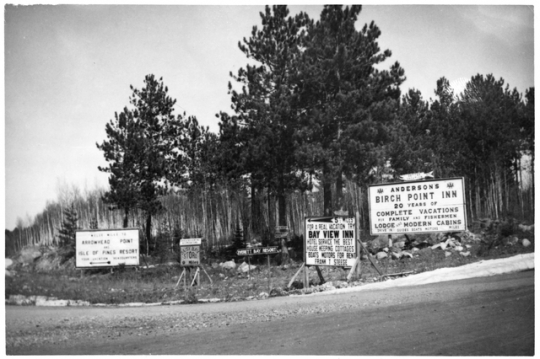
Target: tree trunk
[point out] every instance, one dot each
(126, 217)
(327, 192)
(271, 217)
(148, 230)
(339, 191)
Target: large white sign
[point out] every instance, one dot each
(417, 207)
(330, 241)
(107, 248)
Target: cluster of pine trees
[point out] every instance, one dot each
(315, 121)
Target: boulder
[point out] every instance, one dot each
(244, 268)
(30, 254)
(525, 242)
(441, 245)
(525, 228)
(9, 262)
(228, 265)
(278, 292)
(48, 262)
(340, 284)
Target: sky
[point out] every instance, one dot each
(68, 69)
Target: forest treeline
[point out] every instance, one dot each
(316, 118)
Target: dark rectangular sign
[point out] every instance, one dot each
(254, 251)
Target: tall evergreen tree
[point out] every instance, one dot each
(67, 233)
(348, 102)
(267, 114)
(142, 150)
(122, 150)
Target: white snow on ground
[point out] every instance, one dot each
(478, 269)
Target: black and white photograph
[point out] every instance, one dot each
(269, 179)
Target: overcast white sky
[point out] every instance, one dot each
(68, 69)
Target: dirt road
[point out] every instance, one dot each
(479, 316)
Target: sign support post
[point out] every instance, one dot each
(319, 273)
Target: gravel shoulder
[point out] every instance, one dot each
(158, 330)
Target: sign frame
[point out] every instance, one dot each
(191, 243)
(351, 221)
(108, 264)
(411, 184)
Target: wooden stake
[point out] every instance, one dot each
(294, 277)
(370, 258)
(306, 277)
(356, 263)
(269, 274)
(180, 278)
(210, 279)
(195, 278)
(321, 278)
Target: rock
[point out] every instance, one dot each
(30, 254)
(228, 265)
(447, 254)
(381, 255)
(263, 294)
(406, 254)
(245, 268)
(340, 284)
(415, 249)
(385, 249)
(458, 248)
(9, 262)
(525, 228)
(465, 254)
(278, 292)
(441, 245)
(525, 242)
(48, 262)
(396, 255)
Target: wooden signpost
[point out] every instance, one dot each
(190, 256)
(255, 251)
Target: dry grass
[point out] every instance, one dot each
(158, 284)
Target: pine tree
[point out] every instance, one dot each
(143, 151)
(67, 233)
(349, 104)
(123, 150)
(267, 115)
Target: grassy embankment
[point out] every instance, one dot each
(158, 284)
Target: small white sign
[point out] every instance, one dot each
(107, 248)
(190, 241)
(416, 176)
